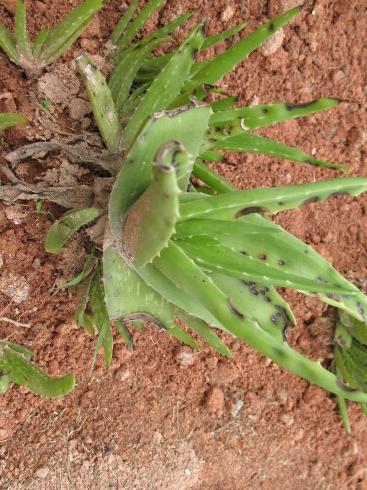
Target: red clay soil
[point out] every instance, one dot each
(164, 417)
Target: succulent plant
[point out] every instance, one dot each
(49, 45)
(176, 253)
(9, 119)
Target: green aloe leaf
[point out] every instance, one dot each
(232, 205)
(251, 143)
(162, 33)
(206, 333)
(62, 229)
(134, 27)
(175, 264)
(342, 406)
(89, 266)
(125, 72)
(66, 32)
(124, 333)
(81, 317)
(39, 42)
(8, 44)
(354, 327)
(151, 220)
(128, 297)
(213, 70)
(262, 115)
(222, 36)
(186, 125)
(213, 256)
(222, 105)
(9, 119)
(21, 34)
(104, 109)
(124, 21)
(15, 364)
(166, 86)
(101, 319)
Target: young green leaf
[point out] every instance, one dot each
(9, 119)
(67, 31)
(124, 21)
(124, 41)
(222, 36)
(103, 106)
(62, 229)
(8, 44)
(18, 368)
(21, 34)
(166, 86)
(39, 42)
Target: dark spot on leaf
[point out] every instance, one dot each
(306, 251)
(344, 386)
(281, 262)
(278, 352)
(264, 110)
(291, 107)
(250, 210)
(218, 129)
(271, 27)
(267, 299)
(234, 310)
(311, 200)
(361, 310)
(285, 334)
(274, 319)
(320, 280)
(262, 256)
(280, 203)
(339, 193)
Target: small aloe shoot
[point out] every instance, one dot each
(10, 119)
(16, 367)
(195, 260)
(49, 45)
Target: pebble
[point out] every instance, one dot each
(185, 357)
(282, 396)
(227, 13)
(42, 472)
(287, 419)
(273, 44)
(237, 408)
(15, 287)
(215, 400)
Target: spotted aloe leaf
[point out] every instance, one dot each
(178, 267)
(16, 366)
(63, 228)
(104, 109)
(273, 200)
(213, 70)
(151, 220)
(251, 143)
(9, 119)
(262, 115)
(187, 125)
(166, 86)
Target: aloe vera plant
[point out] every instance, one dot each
(48, 45)
(171, 254)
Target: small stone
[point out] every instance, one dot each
(15, 214)
(237, 407)
(273, 44)
(185, 357)
(42, 472)
(287, 419)
(224, 374)
(354, 137)
(78, 108)
(215, 401)
(282, 396)
(227, 13)
(15, 287)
